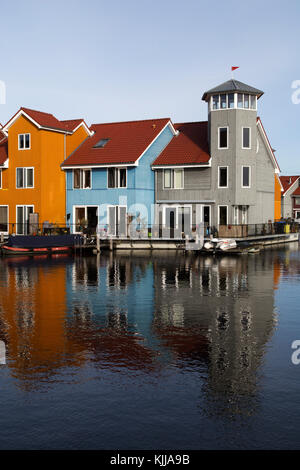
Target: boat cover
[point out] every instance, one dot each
(43, 241)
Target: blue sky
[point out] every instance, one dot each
(127, 59)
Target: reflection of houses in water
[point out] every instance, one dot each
(32, 311)
(142, 312)
(228, 305)
(105, 321)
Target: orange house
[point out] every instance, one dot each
(33, 144)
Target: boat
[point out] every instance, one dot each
(39, 244)
(229, 244)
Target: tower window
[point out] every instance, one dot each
(223, 177)
(223, 137)
(246, 138)
(245, 176)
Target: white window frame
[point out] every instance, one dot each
(223, 148)
(223, 205)
(25, 168)
(24, 148)
(172, 170)
(242, 174)
(107, 215)
(219, 167)
(117, 177)
(1, 178)
(23, 223)
(85, 207)
(246, 148)
(82, 178)
(235, 101)
(6, 205)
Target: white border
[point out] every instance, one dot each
(25, 148)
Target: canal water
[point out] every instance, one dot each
(150, 351)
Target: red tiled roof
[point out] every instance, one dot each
(45, 119)
(127, 141)
(296, 192)
(190, 147)
(71, 124)
(3, 149)
(287, 182)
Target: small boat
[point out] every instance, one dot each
(39, 245)
(227, 245)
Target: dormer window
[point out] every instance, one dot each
(24, 141)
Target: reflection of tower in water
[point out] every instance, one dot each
(225, 307)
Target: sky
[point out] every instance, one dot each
(121, 60)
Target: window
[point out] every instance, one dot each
(227, 101)
(82, 179)
(24, 141)
(245, 176)
(25, 178)
(116, 177)
(297, 201)
(231, 100)
(216, 101)
(173, 179)
(0, 179)
(222, 215)
(101, 143)
(3, 218)
(223, 177)
(223, 137)
(246, 138)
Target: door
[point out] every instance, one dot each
(23, 219)
(184, 220)
(206, 215)
(4, 219)
(222, 215)
(117, 221)
(170, 220)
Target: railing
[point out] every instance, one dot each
(254, 230)
(155, 231)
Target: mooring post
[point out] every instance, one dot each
(98, 243)
(2, 237)
(111, 246)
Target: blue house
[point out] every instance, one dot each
(109, 179)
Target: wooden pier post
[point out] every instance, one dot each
(111, 246)
(98, 243)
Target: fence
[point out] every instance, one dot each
(156, 231)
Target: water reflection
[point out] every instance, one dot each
(143, 313)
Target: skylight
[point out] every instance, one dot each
(101, 143)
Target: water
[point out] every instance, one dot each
(150, 351)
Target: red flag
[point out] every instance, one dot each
(234, 68)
